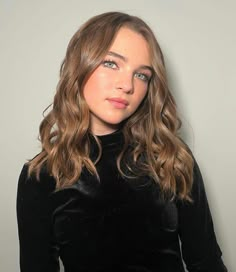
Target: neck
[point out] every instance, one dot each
(100, 131)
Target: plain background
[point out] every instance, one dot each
(198, 39)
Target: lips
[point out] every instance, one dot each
(118, 102)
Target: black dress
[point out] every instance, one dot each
(115, 225)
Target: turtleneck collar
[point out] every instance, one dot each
(110, 143)
(115, 137)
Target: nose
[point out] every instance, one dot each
(125, 82)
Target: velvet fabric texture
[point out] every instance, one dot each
(113, 225)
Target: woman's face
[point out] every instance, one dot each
(117, 87)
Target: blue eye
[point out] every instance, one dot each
(142, 76)
(109, 64)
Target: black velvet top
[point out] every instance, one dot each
(115, 225)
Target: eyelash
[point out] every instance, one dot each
(110, 64)
(142, 76)
(107, 62)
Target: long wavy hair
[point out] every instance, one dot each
(153, 128)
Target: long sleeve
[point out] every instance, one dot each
(38, 252)
(201, 252)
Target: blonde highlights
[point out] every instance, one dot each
(153, 128)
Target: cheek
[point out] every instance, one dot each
(141, 95)
(97, 84)
(91, 88)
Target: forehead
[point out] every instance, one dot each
(131, 45)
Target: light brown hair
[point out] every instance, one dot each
(153, 128)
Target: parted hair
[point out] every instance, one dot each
(152, 131)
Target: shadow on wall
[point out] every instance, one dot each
(186, 131)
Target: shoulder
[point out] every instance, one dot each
(199, 203)
(31, 187)
(198, 187)
(33, 201)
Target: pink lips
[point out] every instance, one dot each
(118, 103)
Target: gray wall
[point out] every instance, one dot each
(198, 39)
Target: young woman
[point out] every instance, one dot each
(114, 187)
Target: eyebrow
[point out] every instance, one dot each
(114, 54)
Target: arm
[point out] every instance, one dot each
(201, 252)
(38, 252)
